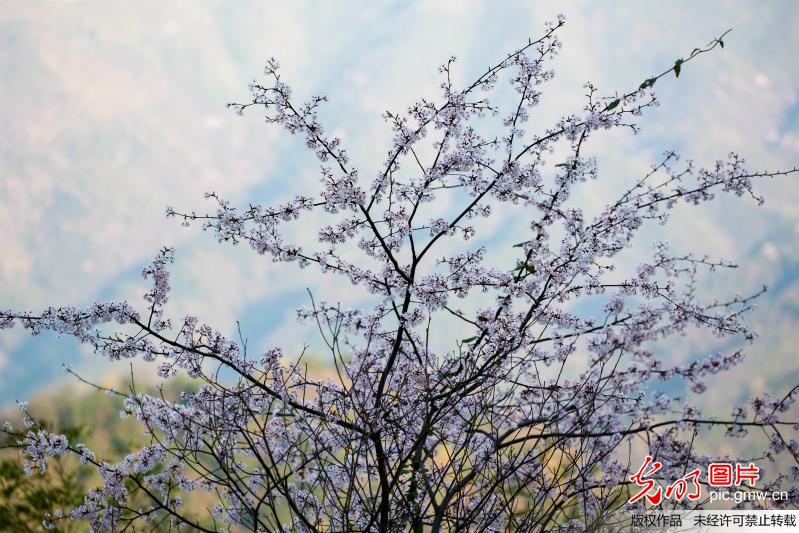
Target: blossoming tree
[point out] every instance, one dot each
(528, 423)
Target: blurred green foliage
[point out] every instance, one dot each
(85, 416)
(25, 498)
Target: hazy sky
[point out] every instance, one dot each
(110, 111)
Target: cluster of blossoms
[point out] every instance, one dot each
(523, 425)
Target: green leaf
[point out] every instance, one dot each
(648, 83)
(562, 165)
(677, 68)
(521, 244)
(721, 43)
(469, 340)
(612, 105)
